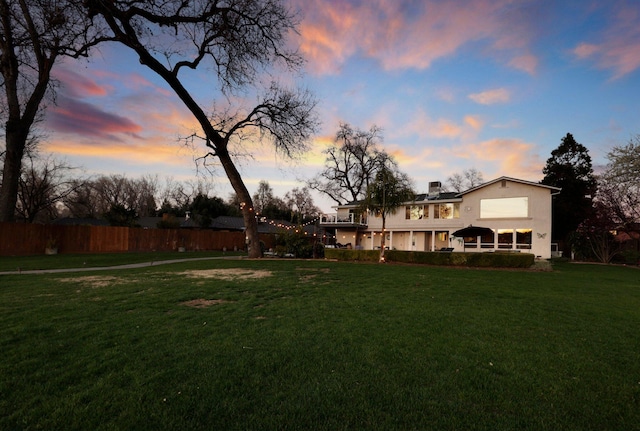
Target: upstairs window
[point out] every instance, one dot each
(446, 211)
(415, 212)
(504, 208)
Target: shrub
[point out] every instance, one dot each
(318, 249)
(479, 260)
(297, 244)
(630, 257)
(351, 254)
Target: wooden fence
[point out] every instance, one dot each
(22, 239)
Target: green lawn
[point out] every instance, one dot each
(29, 263)
(318, 345)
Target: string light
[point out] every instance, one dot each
(286, 226)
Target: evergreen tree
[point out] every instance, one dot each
(570, 169)
(204, 209)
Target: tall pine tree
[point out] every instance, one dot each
(569, 168)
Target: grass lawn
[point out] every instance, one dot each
(29, 263)
(318, 345)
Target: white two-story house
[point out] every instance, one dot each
(517, 212)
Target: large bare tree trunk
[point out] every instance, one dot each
(217, 143)
(16, 136)
(246, 204)
(242, 39)
(33, 34)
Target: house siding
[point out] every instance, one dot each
(539, 212)
(430, 233)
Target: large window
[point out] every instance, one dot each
(415, 212)
(505, 238)
(446, 211)
(523, 239)
(504, 208)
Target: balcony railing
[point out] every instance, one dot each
(347, 219)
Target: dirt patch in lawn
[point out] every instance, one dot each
(204, 303)
(310, 274)
(94, 281)
(229, 273)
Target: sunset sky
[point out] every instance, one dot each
(486, 84)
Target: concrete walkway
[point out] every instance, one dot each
(111, 268)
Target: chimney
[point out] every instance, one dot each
(434, 188)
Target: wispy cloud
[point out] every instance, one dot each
(474, 122)
(413, 34)
(491, 97)
(78, 85)
(526, 62)
(73, 116)
(427, 128)
(123, 152)
(510, 156)
(618, 47)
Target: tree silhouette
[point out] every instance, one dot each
(570, 169)
(350, 164)
(35, 34)
(389, 190)
(239, 41)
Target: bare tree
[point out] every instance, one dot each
(263, 196)
(351, 164)
(43, 184)
(35, 35)
(240, 40)
(176, 196)
(82, 201)
(146, 190)
(619, 186)
(112, 191)
(468, 179)
(594, 236)
(95, 198)
(301, 203)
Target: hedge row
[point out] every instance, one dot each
(477, 260)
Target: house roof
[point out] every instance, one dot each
(456, 196)
(515, 180)
(421, 197)
(441, 196)
(149, 222)
(152, 222)
(227, 223)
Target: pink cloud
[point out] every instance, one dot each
(78, 85)
(72, 116)
(474, 122)
(585, 50)
(327, 35)
(426, 127)
(412, 34)
(491, 97)
(526, 62)
(512, 157)
(124, 152)
(137, 81)
(619, 46)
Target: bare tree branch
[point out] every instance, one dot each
(239, 40)
(350, 164)
(35, 34)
